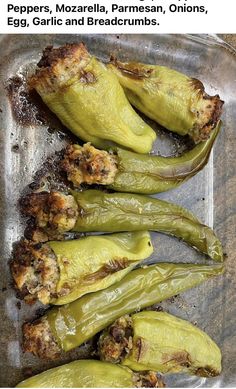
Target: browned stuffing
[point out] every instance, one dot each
(148, 379)
(59, 67)
(54, 211)
(207, 115)
(39, 340)
(115, 343)
(35, 271)
(89, 165)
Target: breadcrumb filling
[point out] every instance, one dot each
(117, 341)
(39, 340)
(35, 271)
(148, 379)
(55, 211)
(89, 165)
(60, 67)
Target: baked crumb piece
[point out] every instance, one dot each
(117, 342)
(54, 211)
(89, 165)
(148, 379)
(39, 340)
(207, 112)
(59, 67)
(35, 271)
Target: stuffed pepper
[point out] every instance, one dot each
(70, 325)
(88, 99)
(174, 100)
(94, 210)
(162, 342)
(59, 272)
(126, 171)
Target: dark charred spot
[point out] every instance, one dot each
(21, 294)
(50, 176)
(37, 246)
(159, 308)
(26, 105)
(34, 233)
(15, 148)
(52, 55)
(38, 314)
(18, 305)
(206, 371)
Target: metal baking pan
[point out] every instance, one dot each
(28, 137)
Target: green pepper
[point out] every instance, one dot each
(121, 212)
(161, 342)
(174, 100)
(68, 326)
(113, 212)
(126, 171)
(88, 99)
(61, 272)
(91, 374)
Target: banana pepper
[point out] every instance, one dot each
(61, 272)
(68, 326)
(88, 99)
(92, 374)
(94, 210)
(174, 100)
(162, 342)
(126, 171)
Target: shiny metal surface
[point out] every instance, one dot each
(26, 142)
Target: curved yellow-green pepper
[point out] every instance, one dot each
(162, 342)
(68, 326)
(176, 101)
(126, 171)
(111, 212)
(91, 374)
(88, 99)
(94, 210)
(153, 174)
(60, 272)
